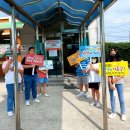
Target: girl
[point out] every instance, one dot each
(94, 81)
(116, 84)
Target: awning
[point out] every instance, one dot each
(47, 12)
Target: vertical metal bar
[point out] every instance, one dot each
(62, 60)
(37, 32)
(43, 42)
(104, 91)
(81, 37)
(14, 46)
(84, 31)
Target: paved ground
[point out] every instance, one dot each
(63, 111)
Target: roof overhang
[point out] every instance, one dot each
(45, 13)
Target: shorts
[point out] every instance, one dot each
(82, 80)
(94, 85)
(42, 80)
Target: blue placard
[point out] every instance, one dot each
(90, 51)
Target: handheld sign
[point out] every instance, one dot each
(74, 59)
(90, 51)
(115, 68)
(34, 59)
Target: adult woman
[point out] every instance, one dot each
(116, 84)
(8, 69)
(30, 79)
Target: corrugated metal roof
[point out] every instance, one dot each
(47, 12)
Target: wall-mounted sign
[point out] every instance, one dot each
(52, 53)
(53, 44)
(4, 48)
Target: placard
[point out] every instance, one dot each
(90, 51)
(34, 59)
(74, 59)
(52, 53)
(115, 68)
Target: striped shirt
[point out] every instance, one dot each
(82, 66)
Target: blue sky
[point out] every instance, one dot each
(117, 22)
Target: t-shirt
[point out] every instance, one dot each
(41, 75)
(28, 71)
(121, 81)
(9, 76)
(82, 66)
(93, 77)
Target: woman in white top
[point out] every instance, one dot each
(94, 81)
(8, 69)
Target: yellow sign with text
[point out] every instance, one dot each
(74, 59)
(115, 68)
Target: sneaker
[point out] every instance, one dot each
(80, 94)
(87, 95)
(98, 104)
(39, 95)
(36, 100)
(46, 95)
(123, 117)
(92, 103)
(10, 113)
(27, 103)
(112, 115)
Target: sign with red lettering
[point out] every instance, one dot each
(34, 59)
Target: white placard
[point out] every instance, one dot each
(49, 64)
(53, 44)
(52, 53)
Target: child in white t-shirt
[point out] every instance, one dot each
(94, 81)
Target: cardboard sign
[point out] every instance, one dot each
(90, 51)
(34, 59)
(74, 59)
(115, 68)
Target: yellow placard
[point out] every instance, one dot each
(115, 68)
(74, 59)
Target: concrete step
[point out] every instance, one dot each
(56, 81)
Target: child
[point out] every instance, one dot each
(8, 69)
(94, 81)
(42, 80)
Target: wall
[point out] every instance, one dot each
(27, 37)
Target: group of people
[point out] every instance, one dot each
(88, 75)
(34, 79)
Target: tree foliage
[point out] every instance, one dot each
(123, 50)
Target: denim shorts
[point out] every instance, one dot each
(42, 80)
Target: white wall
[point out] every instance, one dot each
(92, 29)
(27, 37)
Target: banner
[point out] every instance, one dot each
(74, 59)
(90, 51)
(34, 59)
(115, 68)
